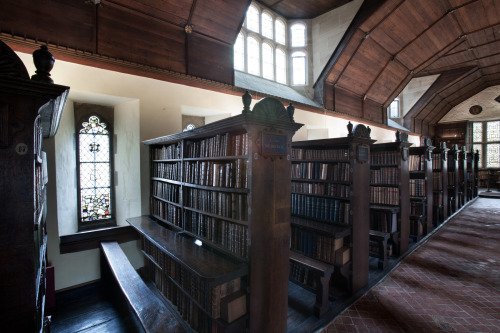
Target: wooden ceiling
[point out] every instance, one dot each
(388, 43)
(392, 41)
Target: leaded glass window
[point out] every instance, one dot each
(253, 56)
(479, 148)
(239, 53)
(253, 19)
(493, 131)
(493, 155)
(477, 132)
(94, 163)
(267, 25)
(280, 66)
(280, 32)
(394, 108)
(267, 61)
(298, 35)
(299, 68)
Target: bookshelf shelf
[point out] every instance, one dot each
(440, 184)
(421, 190)
(453, 193)
(389, 188)
(325, 227)
(225, 185)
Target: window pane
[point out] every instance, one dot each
(493, 155)
(94, 170)
(394, 109)
(280, 32)
(298, 35)
(267, 61)
(299, 68)
(253, 56)
(477, 132)
(253, 18)
(479, 148)
(267, 25)
(493, 131)
(239, 53)
(280, 66)
(95, 204)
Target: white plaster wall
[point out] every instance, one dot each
(414, 90)
(327, 31)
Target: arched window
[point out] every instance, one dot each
(253, 54)
(253, 22)
(267, 61)
(239, 53)
(394, 109)
(267, 25)
(280, 32)
(298, 68)
(280, 66)
(95, 185)
(298, 35)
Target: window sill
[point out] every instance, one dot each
(88, 240)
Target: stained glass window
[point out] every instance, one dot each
(94, 171)
(477, 132)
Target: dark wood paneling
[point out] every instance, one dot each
(373, 111)
(121, 35)
(478, 15)
(344, 58)
(206, 19)
(92, 239)
(304, 9)
(387, 82)
(347, 102)
(174, 11)
(216, 63)
(67, 23)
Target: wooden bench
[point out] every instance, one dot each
(379, 240)
(321, 273)
(153, 314)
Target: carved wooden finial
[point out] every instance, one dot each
(442, 145)
(349, 129)
(247, 99)
(44, 61)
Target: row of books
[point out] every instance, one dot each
(169, 152)
(385, 176)
(384, 195)
(320, 154)
(300, 274)
(166, 191)
(220, 145)
(208, 296)
(416, 163)
(328, 189)
(437, 198)
(232, 174)
(451, 178)
(437, 181)
(385, 157)
(321, 171)
(331, 210)
(437, 161)
(315, 245)
(170, 171)
(417, 188)
(231, 236)
(166, 211)
(225, 204)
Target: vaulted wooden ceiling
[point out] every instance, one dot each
(388, 43)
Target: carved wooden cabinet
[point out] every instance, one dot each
(30, 110)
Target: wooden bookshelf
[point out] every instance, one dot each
(389, 191)
(440, 183)
(462, 176)
(421, 196)
(476, 173)
(453, 180)
(30, 111)
(470, 176)
(330, 195)
(226, 185)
